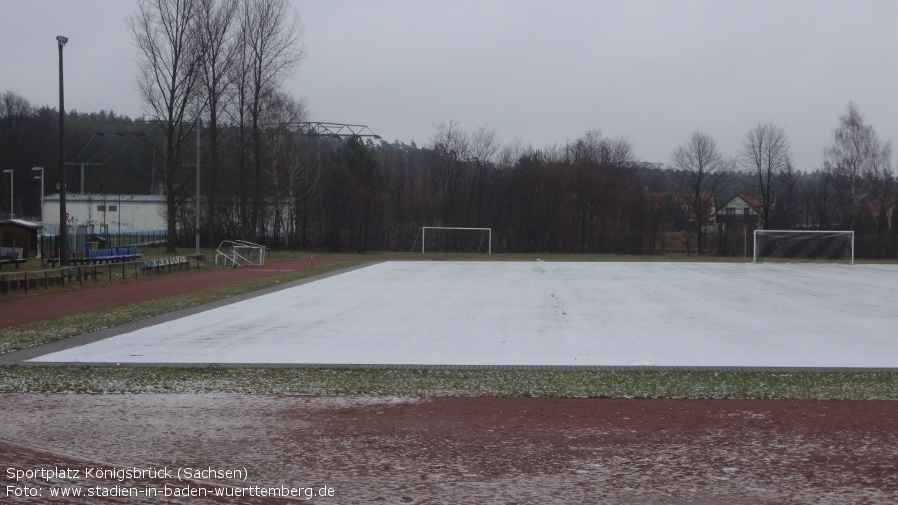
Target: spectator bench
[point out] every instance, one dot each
(166, 264)
(11, 259)
(114, 255)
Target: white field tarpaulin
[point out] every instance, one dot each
(543, 313)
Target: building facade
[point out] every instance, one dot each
(108, 213)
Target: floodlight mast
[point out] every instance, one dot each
(63, 231)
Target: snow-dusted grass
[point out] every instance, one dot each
(309, 381)
(42, 332)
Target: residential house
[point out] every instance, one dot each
(741, 210)
(736, 221)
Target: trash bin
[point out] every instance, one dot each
(97, 242)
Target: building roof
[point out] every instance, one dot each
(109, 197)
(751, 200)
(23, 223)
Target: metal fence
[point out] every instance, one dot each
(50, 243)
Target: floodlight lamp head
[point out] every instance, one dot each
(62, 40)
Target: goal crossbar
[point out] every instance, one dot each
(488, 230)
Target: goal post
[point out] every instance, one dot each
(487, 231)
(819, 246)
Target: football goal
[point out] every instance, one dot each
(804, 245)
(452, 239)
(239, 253)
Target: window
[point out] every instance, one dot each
(731, 210)
(113, 208)
(101, 208)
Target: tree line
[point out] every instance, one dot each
(592, 195)
(266, 179)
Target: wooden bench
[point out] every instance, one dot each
(11, 260)
(49, 259)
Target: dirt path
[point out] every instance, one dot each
(467, 450)
(47, 306)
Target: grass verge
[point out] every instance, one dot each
(747, 385)
(29, 335)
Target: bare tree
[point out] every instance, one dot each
(451, 152)
(164, 33)
(484, 147)
(215, 30)
(269, 36)
(701, 172)
(584, 156)
(765, 155)
(858, 159)
(509, 154)
(819, 200)
(292, 172)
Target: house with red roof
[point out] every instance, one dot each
(742, 209)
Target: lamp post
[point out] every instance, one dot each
(9, 171)
(63, 230)
(41, 177)
(200, 59)
(40, 237)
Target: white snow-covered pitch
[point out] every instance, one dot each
(543, 313)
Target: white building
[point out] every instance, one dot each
(112, 213)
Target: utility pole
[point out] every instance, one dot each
(200, 59)
(63, 231)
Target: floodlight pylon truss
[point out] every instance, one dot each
(239, 253)
(325, 129)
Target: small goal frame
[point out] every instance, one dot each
(239, 253)
(488, 230)
(757, 233)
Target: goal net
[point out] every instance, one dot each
(808, 246)
(449, 239)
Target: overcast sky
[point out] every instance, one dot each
(541, 71)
